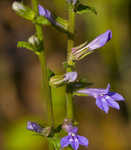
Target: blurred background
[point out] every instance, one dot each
(20, 76)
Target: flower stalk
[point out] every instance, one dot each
(70, 45)
(42, 59)
(71, 29)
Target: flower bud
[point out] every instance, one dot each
(33, 40)
(23, 11)
(32, 126)
(16, 6)
(67, 125)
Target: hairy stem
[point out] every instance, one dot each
(71, 26)
(42, 58)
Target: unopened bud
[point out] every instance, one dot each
(33, 40)
(16, 6)
(23, 11)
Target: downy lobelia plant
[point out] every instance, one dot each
(40, 16)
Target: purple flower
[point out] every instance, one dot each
(83, 50)
(59, 80)
(100, 41)
(73, 139)
(104, 97)
(46, 13)
(34, 127)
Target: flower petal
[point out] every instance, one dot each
(112, 103)
(82, 140)
(92, 92)
(116, 96)
(46, 13)
(102, 104)
(70, 76)
(34, 127)
(100, 41)
(65, 141)
(108, 88)
(75, 144)
(74, 130)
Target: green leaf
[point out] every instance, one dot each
(23, 44)
(81, 8)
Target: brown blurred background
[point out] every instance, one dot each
(20, 76)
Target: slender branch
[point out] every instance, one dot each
(46, 89)
(42, 58)
(71, 26)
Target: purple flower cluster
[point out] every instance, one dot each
(73, 139)
(104, 97)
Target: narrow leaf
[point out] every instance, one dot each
(23, 44)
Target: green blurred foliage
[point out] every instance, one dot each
(20, 76)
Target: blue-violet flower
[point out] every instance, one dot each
(73, 139)
(104, 97)
(32, 126)
(83, 50)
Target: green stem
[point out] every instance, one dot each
(71, 26)
(42, 58)
(46, 89)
